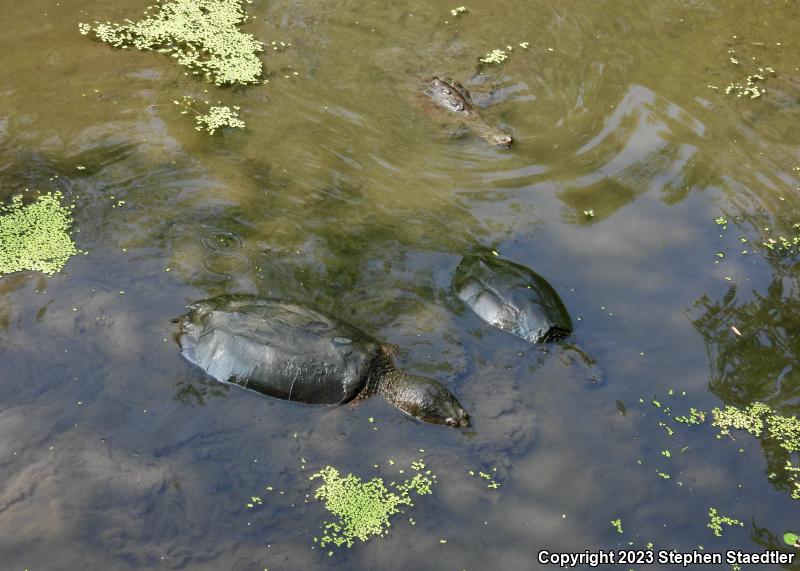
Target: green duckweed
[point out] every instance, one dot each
(693, 418)
(762, 422)
(755, 419)
(35, 236)
(749, 87)
(201, 35)
(793, 474)
(494, 56)
(218, 117)
(215, 117)
(364, 508)
(716, 521)
(617, 523)
(492, 483)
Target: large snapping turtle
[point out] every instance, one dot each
(296, 353)
(511, 297)
(451, 96)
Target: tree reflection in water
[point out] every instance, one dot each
(760, 363)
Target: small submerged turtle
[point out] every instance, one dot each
(452, 96)
(296, 353)
(511, 297)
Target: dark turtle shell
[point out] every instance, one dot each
(277, 348)
(450, 94)
(511, 297)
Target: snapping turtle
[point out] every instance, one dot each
(296, 353)
(452, 96)
(511, 297)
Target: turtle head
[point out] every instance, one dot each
(492, 135)
(426, 399)
(501, 139)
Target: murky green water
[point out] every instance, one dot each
(344, 192)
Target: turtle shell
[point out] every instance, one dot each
(511, 297)
(277, 348)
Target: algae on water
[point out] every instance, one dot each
(364, 509)
(35, 236)
(201, 35)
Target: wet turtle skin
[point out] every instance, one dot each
(511, 297)
(296, 353)
(453, 97)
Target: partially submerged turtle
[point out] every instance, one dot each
(296, 353)
(511, 297)
(452, 96)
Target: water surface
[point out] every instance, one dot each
(346, 193)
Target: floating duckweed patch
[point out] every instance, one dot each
(459, 11)
(793, 474)
(782, 243)
(617, 523)
(761, 421)
(716, 521)
(751, 87)
(494, 56)
(201, 35)
(218, 117)
(35, 236)
(254, 501)
(365, 508)
(501, 55)
(215, 117)
(754, 419)
(492, 483)
(693, 418)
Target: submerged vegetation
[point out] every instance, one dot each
(364, 508)
(35, 236)
(201, 35)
